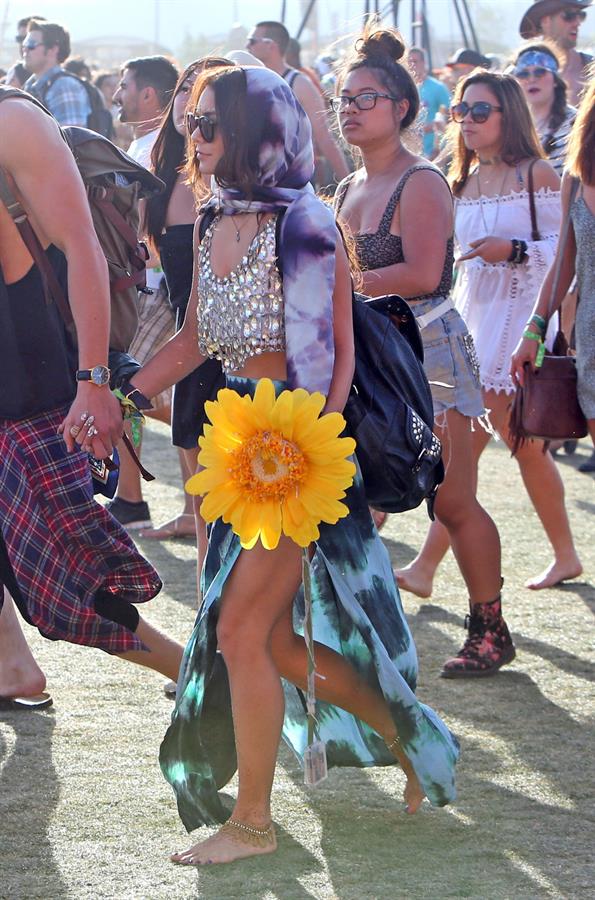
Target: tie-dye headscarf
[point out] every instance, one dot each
(308, 233)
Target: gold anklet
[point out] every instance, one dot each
(395, 744)
(249, 834)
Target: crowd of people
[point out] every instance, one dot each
(449, 191)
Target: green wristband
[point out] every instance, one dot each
(540, 355)
(539, 321)
(532, 336)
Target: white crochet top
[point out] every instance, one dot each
(496, 300)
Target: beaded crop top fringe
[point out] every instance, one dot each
(241, 315)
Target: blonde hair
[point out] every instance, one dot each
(580, 156)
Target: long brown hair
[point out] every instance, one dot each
(580, 158)
(169, 153)
(519, 138)
(238, 167)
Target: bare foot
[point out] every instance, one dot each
(231, 842)
(182, 526)
(555, 573)
(412, 578)
(20, 676)
(413, 793)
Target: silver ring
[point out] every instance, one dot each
(89, 421)
(92, 431)
(84, 416)
(74, 430)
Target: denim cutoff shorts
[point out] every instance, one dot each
(450, 361)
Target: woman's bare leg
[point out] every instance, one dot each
(20, 676)
(254, 626)
(545, 488)
(184, 524)
(163, 655)
(462, 521)
(340, 684)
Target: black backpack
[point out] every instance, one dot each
(99, 119)
(389, 411)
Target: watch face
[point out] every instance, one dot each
(100, 375)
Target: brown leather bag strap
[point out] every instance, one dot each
(535, 234)
(51, 285)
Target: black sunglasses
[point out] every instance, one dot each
(19, 38)
(364, 101)
(570, 15)
(480, 111)
(205, 125)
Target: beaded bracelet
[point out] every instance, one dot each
(518, 253)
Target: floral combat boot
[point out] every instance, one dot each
(488, 645)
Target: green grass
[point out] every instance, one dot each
(85, 813)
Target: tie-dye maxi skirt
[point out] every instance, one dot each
(357, 612)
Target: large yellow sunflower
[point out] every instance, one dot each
(273, 465)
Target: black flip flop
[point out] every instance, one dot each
(38, 701)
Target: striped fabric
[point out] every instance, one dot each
(555, 143)
(62, 546)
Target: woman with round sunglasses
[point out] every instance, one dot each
(272, 248)
(536, 68)
(169, 224)
(500, 269)
(400, 210)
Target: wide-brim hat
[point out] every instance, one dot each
(529, 27)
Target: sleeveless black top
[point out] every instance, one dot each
(380, 249)
(176, 253)
(38, 357)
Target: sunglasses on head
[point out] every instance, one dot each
(480, 111)
(205, 125)
(577, 15)
(537, 72)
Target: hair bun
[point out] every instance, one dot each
(381, 42)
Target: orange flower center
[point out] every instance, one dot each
(267, 466)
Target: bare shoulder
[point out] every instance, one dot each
(545, 176)
(26, 128)
(426, 184)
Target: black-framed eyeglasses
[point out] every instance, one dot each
(537, 72)
(30, 43)
(205, 125)
(365, 100)
(574, 15)
(480, 111)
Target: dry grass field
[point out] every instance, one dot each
(85, 813)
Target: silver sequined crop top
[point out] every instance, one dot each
(241, 315)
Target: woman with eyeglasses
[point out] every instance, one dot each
(169, 224)
(537, 70)
(501, 266)
(399, 208)
(271, 298)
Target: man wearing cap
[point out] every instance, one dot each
(560, 20)
(464, 60)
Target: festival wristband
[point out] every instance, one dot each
(540, 355)
(539, 321)
(532, 336)
(132, 413)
